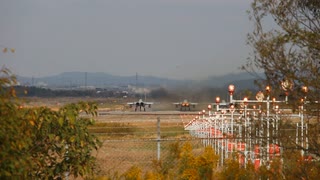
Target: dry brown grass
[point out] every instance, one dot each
(119, 153)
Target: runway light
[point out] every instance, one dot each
(231, 89)
(232, 108)
(245, 101)
(304, 89)
(217, 100)
(209, 107)
(301, 100)
(268, 90)
(260, 96)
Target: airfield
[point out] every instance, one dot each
(130, 138)
(116, 109)
(166, 112)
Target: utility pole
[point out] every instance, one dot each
(136, 80)
(85, 80)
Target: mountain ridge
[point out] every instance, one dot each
(103, 80)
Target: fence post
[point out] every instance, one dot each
(159, 138)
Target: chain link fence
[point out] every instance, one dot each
(139, 140)
(118, 156)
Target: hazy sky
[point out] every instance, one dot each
(183, 39)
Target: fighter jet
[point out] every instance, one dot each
(140, 104)
(185, 105)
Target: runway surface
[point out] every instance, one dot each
(167, 117)
(103, 113)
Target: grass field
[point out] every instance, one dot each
(132, 139)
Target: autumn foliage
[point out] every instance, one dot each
(40, 143)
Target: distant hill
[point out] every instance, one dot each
(241, 80)
(104, 80)
(99, 79)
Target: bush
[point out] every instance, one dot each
(42, 143)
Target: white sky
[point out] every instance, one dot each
(182, 39)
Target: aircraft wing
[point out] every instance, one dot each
(134, 103)
(148, 103)
(131, 103)
(177, 104)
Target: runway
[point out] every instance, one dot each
(104, 113)
(167, 117)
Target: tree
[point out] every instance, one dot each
(182, 163)
(286, 46)
(42, 143)
(232, 169)
(290, 50)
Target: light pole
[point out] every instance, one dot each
(232, 109)
(245, 102)
(287, 86)
(268, 90)
(302, 101)
(305, 91)
(209, 109)
(217, 102)
(203, 113)
(231, 89)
